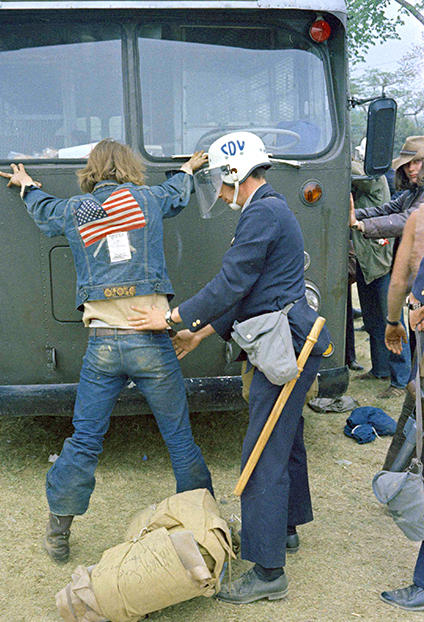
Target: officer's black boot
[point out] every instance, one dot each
(56, 541)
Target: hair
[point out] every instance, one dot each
(111, 159)
(401, 180)
(259, 172)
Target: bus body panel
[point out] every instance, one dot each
(44, 333)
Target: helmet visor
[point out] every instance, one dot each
(207, 184)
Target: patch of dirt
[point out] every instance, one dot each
(348, 555)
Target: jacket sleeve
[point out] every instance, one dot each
(47, 211)
(174, 194)
(391, 207)
(390, 226)
(242, 265)
(224, 324)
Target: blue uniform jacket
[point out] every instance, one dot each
(262, 272)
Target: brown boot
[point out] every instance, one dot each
(56, 540)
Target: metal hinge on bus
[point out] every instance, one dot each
(51, 357)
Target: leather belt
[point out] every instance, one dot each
(108, 332)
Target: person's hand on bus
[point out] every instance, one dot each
(353, 222)
(184, 342)
(19, 177)
(198, 159)
(394, 337)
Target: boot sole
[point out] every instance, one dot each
(246, 601)
(292, 549)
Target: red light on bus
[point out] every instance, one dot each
(320, 31)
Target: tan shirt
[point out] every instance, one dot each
(116, 311)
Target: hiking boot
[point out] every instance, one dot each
(391, 391)
(56, 540)
(249, 587)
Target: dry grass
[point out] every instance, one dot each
(350, 553)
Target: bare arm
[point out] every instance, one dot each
(399, 287)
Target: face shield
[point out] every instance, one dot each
(207, 184)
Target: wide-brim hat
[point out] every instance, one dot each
(413, 149)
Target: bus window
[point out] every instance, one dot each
(61, 104)
(199, 82)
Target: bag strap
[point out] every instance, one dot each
(418, 405)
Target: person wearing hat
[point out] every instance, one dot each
(373, 265)
(388, 220)
(262, 272)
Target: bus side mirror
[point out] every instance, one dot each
(380, 136)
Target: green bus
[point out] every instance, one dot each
(167, 77)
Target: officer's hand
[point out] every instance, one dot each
(148, 319)
(19, 177)
(184, 342)
(394, 337)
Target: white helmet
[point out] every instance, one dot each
(231, 159)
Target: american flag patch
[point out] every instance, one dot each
(120, 212)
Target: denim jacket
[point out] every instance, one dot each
(98, 278)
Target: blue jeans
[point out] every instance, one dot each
(373, 299)
(150, 361)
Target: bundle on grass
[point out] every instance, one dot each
(173, 552)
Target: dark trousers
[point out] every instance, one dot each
(419, 568)
(277, 493)
(373, 299)
(350, 354)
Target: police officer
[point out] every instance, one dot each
(262, 272)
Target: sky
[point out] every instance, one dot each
(384, 56)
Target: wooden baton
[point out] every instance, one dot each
(280, 402)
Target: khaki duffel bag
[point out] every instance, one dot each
(174, 551)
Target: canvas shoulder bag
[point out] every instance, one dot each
(268, 343)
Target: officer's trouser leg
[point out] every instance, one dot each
(265, 500)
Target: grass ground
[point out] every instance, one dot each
(349, 553)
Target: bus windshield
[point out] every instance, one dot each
(199, 82)
(54, 100)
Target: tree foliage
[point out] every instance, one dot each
(404, 85)
(369, 24)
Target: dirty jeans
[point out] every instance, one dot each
(150, 361)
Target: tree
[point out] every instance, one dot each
(368, 23)
(415, 10)
(404, 85)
